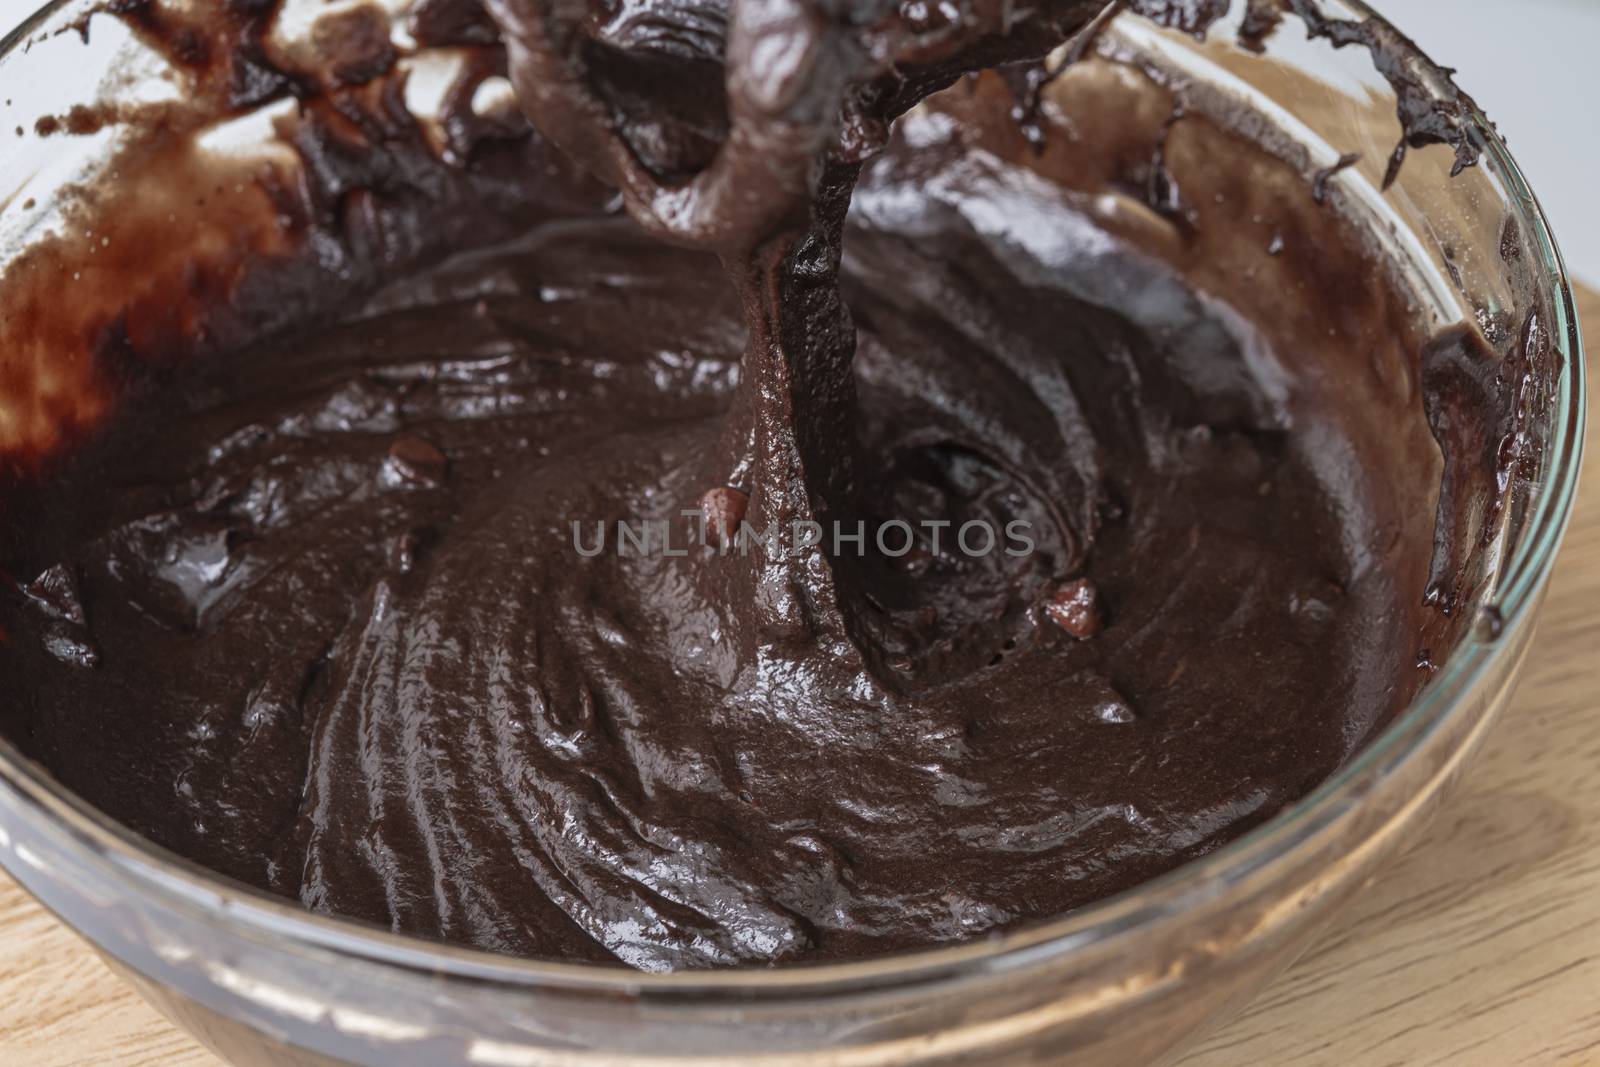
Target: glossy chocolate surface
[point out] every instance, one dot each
(342, 609)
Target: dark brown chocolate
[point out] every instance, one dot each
(401, 613)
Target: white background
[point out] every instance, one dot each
(1534, 67)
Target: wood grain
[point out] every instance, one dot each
(1479, 948)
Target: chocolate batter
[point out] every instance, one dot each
(324, 611)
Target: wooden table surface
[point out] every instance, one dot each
(1479, 948)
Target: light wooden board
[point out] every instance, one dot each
(1479, 948)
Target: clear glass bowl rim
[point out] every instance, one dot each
(227, 904)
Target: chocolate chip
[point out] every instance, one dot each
(55, 592)
(1075, 607)
(724, 510)
(413, 461)
(65, 633)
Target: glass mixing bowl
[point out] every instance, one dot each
(1127, 980)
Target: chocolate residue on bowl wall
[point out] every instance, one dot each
(313, 610)
(191, 250)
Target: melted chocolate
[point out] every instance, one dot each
(314, 611)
